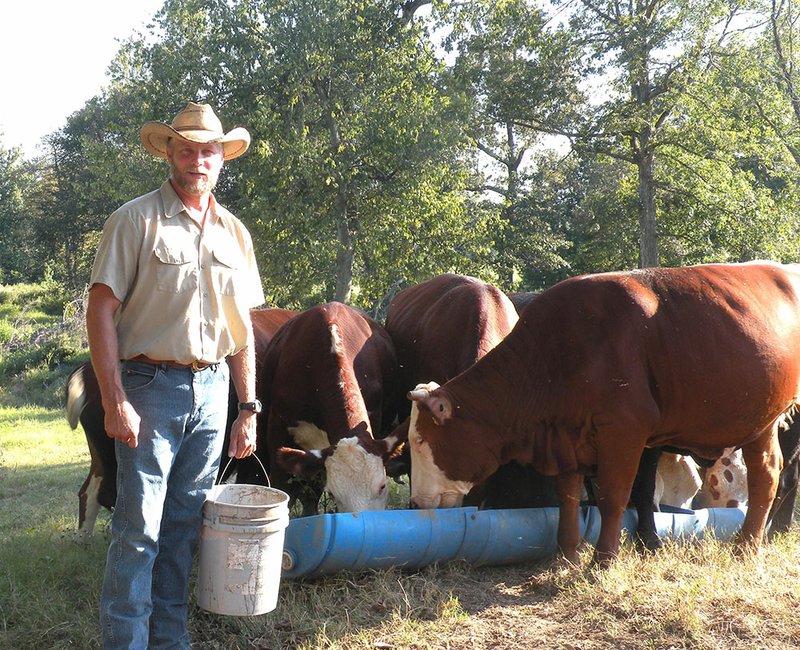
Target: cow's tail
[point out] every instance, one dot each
(76, 397)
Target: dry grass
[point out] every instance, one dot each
(690, 595)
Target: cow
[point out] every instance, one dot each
(725, 482)
(678, 480)
(649, 487)
(439, 328)
(83, 405)
(522, 299)
(675, 479)
(601, 366)
(325, 379)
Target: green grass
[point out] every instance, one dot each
(49, 583)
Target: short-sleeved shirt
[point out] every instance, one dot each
(186, 290)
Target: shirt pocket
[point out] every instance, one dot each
(226, 268)
(176, 266)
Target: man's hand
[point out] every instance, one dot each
(243, 435)
(122, 423)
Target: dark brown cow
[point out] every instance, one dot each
(83, 405)
(440, 328)
(601, 366)
(325, 376)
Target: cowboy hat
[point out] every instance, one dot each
(195, 123)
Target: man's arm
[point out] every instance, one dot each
(243, 375)
(121, 420)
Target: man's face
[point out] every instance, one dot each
(195, 166)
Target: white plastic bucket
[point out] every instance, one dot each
(241, 545)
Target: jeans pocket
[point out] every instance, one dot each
(136, 376)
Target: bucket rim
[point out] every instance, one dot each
(279, 497)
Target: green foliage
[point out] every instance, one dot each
(380, 158)
(20, 261)
(41, 340)
(517, 77)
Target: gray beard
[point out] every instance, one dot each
(196, 188)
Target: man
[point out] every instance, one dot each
(173, 281)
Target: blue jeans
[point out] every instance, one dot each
(161, 487)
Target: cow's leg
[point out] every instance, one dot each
(643, 499)
(88, 504)
(617, 465)
(569, 500)
(763, 460)
(782, 513)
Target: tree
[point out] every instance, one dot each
(362, 169)
(650, 55)
(19, 263)
(512, 70)
(354, 164)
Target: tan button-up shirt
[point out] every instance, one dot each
(186, 290)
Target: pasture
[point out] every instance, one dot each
(688, 596)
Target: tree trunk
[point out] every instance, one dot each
(512, 188)
(345, 251)
(648, 235)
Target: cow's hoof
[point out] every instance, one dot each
(649, 544)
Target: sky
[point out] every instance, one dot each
(53, 58)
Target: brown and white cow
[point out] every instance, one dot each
(83, 405)
(440, 327)
(601, 366)
(325, 377)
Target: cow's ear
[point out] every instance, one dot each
(440, 407)
(421, 391)
(300, 462)
(397, 437)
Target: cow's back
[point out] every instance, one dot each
(443, 326)
(320, 355)
(678, 346)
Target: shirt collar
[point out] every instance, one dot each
(174, 206)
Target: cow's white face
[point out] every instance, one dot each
(356, 478)
(430, 488)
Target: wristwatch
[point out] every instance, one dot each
(254, 406)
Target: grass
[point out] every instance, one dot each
(690, 595)
(48, 584)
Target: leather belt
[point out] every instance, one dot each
(196, 366)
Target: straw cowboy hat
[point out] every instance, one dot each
(195, 123)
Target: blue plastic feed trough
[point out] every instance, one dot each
(325, 544)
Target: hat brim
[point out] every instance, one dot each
(154, 136)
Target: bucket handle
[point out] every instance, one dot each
(230, 460)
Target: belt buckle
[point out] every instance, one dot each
(196, 367)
